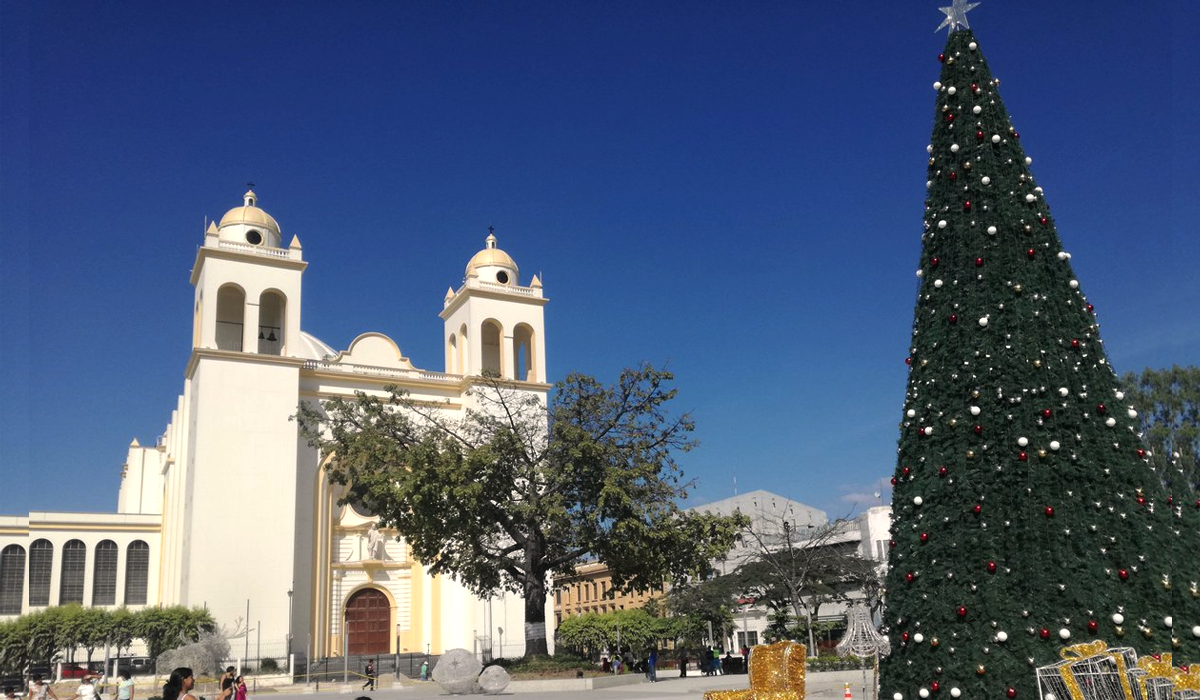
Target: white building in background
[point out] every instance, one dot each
(230, 510)
(770, 514)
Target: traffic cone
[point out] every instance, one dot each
(848, 696)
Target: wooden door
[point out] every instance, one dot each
(368, 623)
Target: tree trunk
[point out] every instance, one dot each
(535, 617)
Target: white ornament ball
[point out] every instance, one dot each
(1111, 422)
(991, 230)
(1196, 631)
(1062, 255)
(937, 85)
(1168, 620)
(951, 90)
(1074, 284)
(986, 180)
(954, 148)
(929, 148)
(1063, 391)
(916, 502)
(942, 223)
(972, 46)
(918, 638)
(1028, 160)
(923, 692)
(929, 430)
(898, 696)
(1132, 413)
(1023, 441)
(1030, 198)
(1120, 395)
(910, 413)
(1118, 618)
(995, 138)
(955, 692)
(1054, 445)
(929, 184)
(975, 410)
(937, 284)
(977, 109)
(920, 273)
(983, 321)
(1002, 636)
(1064, 633)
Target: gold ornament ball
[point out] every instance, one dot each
(1017, 289)
(1042, 454)
(980, 669)
(970, 454)
(1037, 363)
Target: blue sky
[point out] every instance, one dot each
(734, 189)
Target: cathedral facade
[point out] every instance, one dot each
(232, 475)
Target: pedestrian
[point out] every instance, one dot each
(226, 684)
(86, 689)
(124, 690)
(425, 670)
(682, 663)
(179, 685)
(370, 673)
(39, 689)
(239, 688)
(651, 663)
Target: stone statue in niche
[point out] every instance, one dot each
(375, 543)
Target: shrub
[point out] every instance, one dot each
(269, 665)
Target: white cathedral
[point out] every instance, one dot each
(231, 474)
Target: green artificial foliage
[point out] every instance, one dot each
(1027, 514)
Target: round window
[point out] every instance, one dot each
(254, 237)
(502, 277)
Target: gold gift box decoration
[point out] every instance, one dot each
(776, 673)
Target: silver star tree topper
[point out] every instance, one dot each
(956, 15)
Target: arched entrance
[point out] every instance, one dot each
(368, 623)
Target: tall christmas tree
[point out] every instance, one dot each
(1027, 516)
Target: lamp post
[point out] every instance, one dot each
(289, 635)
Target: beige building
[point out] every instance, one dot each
(590, 590)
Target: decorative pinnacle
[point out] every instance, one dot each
(956, 15)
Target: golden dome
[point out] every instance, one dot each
(493, 257)
(250, 215)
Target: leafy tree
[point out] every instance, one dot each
(167, 628)
(92, 629)
(121, 629)
(512, 491)
(1168, 402)
(586, 634)
(699, 606)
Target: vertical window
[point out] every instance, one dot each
(41, 566)
(231, 310)
(104, 574)
(272, 308)
(74, 561)
(137, 572)
(12, 579)
(491, 335)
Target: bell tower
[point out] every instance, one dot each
(247, 285)
(493, 325)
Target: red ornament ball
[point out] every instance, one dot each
(941, 58)
(1049, 511)
(1022, 457)
(979, 509)
(1141, 453)
(924, 537)
(1092, 626)
(933, 262)
(1123, 574)
(1044, 634)
(978, 135)
(891, 544)
(991, 567)
(1016, 135)
(1074, 343)
(905, 470)
(935, 686)
(967, 205)
(904, 636)
(1030, 253)
(953, 318)
(978, 430)
(893, 481)
(1101, 409)
(908, 361)
(1011, 692)
(1046, 413)
(962, 611)
(949, 117)
(974, 87)
(909, 577)
(1142, 500)
(953, 176)
(942, 471)
(1043, 221)
(1170, 500)
(978, 262)
(1091, 309)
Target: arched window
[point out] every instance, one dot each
(272, 307)
(231, 314)
(104, 574)
(12, 579)
(490, 335)
(74, 563)
(464, 351)
(41, 567)
(452, 355)
(137, 572)
(522, 353)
